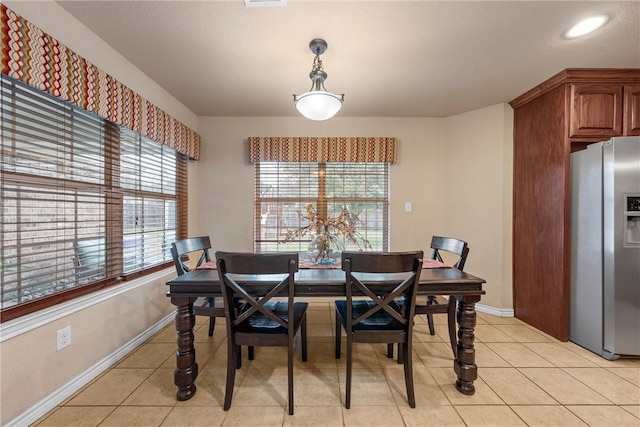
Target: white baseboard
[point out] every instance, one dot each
(40, 409)
(500, 312)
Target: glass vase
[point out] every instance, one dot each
(324, 249)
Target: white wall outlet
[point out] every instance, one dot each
(63, 338)
(407, 206)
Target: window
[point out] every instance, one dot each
(284, 188)
(84, 201)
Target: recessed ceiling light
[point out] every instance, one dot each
(586, 26)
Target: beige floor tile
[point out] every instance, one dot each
(112, 388)
(489, 416)
(611, 386)
(489, 333)
(496, 320)
(522, 333)
(254, 416)
(427, 416)
(446, 379)
(487, 358)
(434, 354)
(547, 416)
(632, 409)
(211, 385)
(138, 416)
(157, 390)
(630, 374)
(426, 391)
(87, 416)
(322, 317)
(383, 416)
(320, 333)
(166, 335)
(319, 355)
(514, 388)
(601, 361)
(368, 387)
(201, 332)
(149, 355)
(559, 355)
(605, 416)
(195, 416)
(517, 355)
(364, 356)
(563, 387)
(315, 416)
(421, 333)
(316, 387)
(261, 389)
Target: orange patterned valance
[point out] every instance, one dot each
(34, 57)
(322, 149)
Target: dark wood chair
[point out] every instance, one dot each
(199, 247)
(257, 320)
(439, 304)
(378, 318)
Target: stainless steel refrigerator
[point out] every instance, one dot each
(604, 314)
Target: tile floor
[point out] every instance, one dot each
(526, 378)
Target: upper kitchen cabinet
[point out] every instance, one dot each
(565, 113)
(603, 110)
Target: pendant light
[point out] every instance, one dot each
(318, 104)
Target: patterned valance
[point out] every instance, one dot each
(34, 57)
(317, 149)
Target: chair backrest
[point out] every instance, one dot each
(383, 277)
(270, 267)
(449, 244)
(184, 247)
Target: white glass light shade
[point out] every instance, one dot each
(318, 105)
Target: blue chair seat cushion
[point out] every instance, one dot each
(259, 323)
(381, 320)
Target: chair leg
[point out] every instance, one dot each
(303, 337)
(347, 398)
(408, 374)
(390, 350)
(290, 374)
(400, 353)
(451, 323)
(212, 324)
(251, 352)
(238, 357)
(338, 337)
(232, 358)
(432, 329)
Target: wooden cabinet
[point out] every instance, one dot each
(567, 112)
(596, 110)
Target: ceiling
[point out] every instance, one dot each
(389, 58)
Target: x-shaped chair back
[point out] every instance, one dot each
(363, 277)
(233, 267)
(181, 248)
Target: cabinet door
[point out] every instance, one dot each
(596, 110)
(632, 110)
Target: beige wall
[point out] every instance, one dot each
(456, 172)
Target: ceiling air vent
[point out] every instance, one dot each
(265, 3)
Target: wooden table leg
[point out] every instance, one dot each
(186, 367)
(465, 363)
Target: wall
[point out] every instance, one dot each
(456, 172)
(32, 370)
(478, 202)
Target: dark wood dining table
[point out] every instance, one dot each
(185, 289)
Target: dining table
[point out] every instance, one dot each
(325, 282)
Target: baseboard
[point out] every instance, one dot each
(38, 410)
(500, 312)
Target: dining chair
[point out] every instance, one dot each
(182, 252)
(438, 304)
(258, 320)
(377, 318)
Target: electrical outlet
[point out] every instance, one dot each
(407, 206)
(63, 338)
